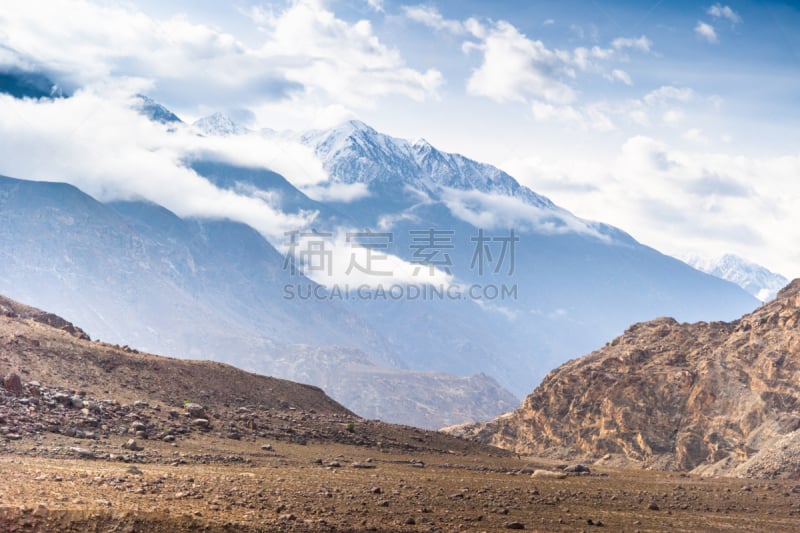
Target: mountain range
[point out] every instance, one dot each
(135, 273)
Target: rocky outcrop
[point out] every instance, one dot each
(11, 309)
(705, 396)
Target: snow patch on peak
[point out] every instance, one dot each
(219, 124)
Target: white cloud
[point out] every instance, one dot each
(496, 211)
(622, 76)
(515, 67)
(682, 201)
(706, 31)
(376, 5)
(642, 43)
(79, 140)
(306, 50)
(590, 117)
(336, 191)
(667, 93)
(548, 22)
(430, 16)
(720, 11)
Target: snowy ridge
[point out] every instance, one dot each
(354, 152)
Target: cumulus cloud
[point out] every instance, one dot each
(79, 140)
(706, 31)
(515, 67)
(720, 11)
(306, 50)
(681, 201)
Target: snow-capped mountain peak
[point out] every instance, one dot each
(219, 124)
(755, 279)
(354, 152)
(155, 111)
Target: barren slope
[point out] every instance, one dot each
(670, 395)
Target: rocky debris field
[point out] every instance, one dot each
(281, 486)
(30, 410)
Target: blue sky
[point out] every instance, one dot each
(674, 120)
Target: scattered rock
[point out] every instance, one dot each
(514, 525)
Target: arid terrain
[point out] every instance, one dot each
(716, 398)
(95, 437)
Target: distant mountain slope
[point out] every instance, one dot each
(21, 84)
(754, 278)
(704, 396)
(134, 273)
(578, 281)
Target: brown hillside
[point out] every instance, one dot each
(675, 396)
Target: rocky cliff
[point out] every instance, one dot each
(711, 397)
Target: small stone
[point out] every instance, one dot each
(514, 525)
(577, 469)
(376, 490)
(653, 506)
(41, 511)
(12, 383)
(410, 521)
(82, 452)
(266, 447)
(132, 445)
(195, 410)
(200, 422)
